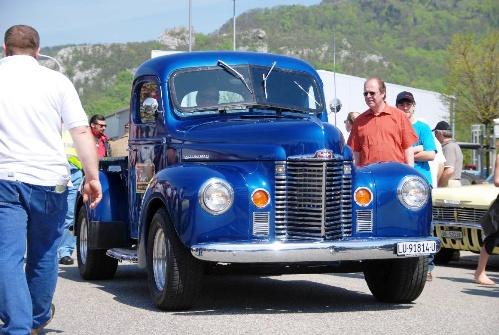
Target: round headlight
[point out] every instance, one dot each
(216, 196)
(413, 192)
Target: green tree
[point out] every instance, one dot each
(473, 78)
(473, 81)
(111, 99)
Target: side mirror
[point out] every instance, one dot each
(335, 105)
(150, 105)
(149, 110)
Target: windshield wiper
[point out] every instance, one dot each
(222, 108)
(234, 72)
(307, 93)
(278, 109)
(265, 77)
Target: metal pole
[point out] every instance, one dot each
(234, 24)
(334, 60)
(334, 69)
(190, 25)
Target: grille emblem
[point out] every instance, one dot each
(324, 154)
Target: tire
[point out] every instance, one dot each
(93, 264)
(396, 280)
(174, 275)
(445, 255)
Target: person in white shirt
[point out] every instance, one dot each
(34, 101)
(437, 165)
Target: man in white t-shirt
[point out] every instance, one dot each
(34, 101)
(437, 165)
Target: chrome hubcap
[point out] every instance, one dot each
(159, 259)
(83, 241)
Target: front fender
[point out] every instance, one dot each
(177, 190)
(391, 217)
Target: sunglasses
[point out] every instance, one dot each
(372, 94)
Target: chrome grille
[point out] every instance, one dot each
(261, 224)
(364, 221)
(313, 200)
(457, 214)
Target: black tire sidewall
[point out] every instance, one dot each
(97, 264)
(397, 280)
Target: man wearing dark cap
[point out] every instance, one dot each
(424, 148)
(453, 156)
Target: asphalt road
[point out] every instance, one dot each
(290, 304)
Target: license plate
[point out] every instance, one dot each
(454, 234)
(416, 248)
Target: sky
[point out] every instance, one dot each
(106, 21)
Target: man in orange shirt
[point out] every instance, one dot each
(382, 133)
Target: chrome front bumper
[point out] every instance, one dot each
(301, 252)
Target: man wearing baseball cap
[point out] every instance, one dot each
(453, 156)
(424, 148)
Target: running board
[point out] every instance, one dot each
(122, 254)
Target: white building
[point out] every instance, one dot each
(116, 123)
(430, 106)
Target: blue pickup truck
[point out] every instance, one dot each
(232, 165)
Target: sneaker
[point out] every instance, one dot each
(37, 331)
(66, 260)
(429, 277)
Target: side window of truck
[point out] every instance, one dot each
(149, 102)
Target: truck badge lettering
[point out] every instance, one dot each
(197, 156)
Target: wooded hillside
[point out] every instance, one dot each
(404, 42)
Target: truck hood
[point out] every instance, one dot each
(261, 139)
(476, 196)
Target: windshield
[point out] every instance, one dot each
(243, 89)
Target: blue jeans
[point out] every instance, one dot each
(31, 223)
(68, 240)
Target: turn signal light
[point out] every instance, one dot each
(260, 198)
(363, 196)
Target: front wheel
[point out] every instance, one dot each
(174, 275)
(396, 280)
(93, 264)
